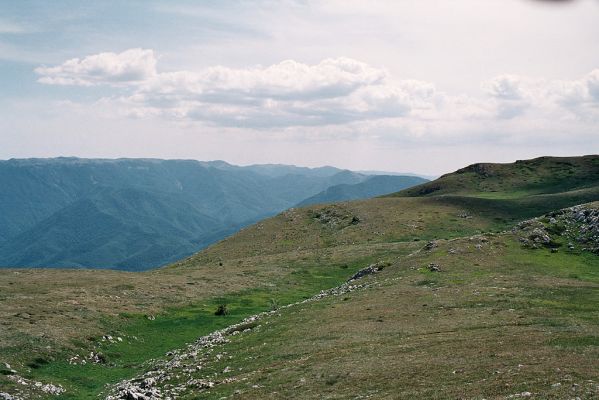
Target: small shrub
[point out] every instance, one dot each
(102, 358)
(331, 380)
(273, 304)
(38, 362)
(222, 309)
(556, 229)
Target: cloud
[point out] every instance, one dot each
(577, 92)
(335, 91)
(592, 83)
(133, 65)
(288, 80)
(505, 87)
(289, 93)
(509, 95)
(513, 95)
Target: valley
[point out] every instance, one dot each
(139, 214)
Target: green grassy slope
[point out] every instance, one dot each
(497, 321)
(50, 316)
(539, 176)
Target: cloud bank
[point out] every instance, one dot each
(290, 93)
(335, 91)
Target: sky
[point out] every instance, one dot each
(424, 86)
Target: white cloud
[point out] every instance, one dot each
(509, 95)
(289, 93)
(513, 96)
(579, 92)
(505, 87)
(335, 91)
(133, 65)
(592, 81)
(287, 80)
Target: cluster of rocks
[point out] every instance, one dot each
(32, 387)
(188, 362)
(434, 267)
(479, 242)
(111, 339)
(533, 234)
(93, 357)
(482, 169)
(371, 269)
(335, 217)
(587, 220)
(578, 225)
(430, 245)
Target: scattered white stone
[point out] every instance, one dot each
(52, 389)
(163, 371)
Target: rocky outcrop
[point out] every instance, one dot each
(31, 387)
(335, 217)
(371, 269)
(577, 226)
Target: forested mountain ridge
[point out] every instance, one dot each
(138, 213)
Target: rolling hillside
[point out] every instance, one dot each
(539, 176)
(461, 300)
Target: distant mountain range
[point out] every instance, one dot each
(372, 186)
(137, 214)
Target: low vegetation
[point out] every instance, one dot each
(495, 318)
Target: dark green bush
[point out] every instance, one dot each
(222, 309)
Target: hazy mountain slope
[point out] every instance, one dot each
(127, 225)
(292, 186)
(371, 187)
(137, 213)
(275, 170)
